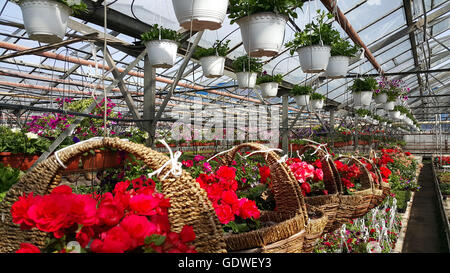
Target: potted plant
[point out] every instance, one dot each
(313, 44)
(198, 15)
(213, 59)
(317, 100)
(363, 113)
(301, 94)
(263, 23)
(247, 70)
(341, 52)
(395, 113)
(362, 90)
(162, 46)
(46, 20)
(269, 84)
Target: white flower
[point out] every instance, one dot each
(73, 247)
(31, 135)
(15, 130)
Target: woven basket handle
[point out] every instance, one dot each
(288, 195)
(189, 202)
(377, 172)
(366, 178)
(328, 176)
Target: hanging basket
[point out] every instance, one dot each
(355, 205)
(302, 100)
(162, 53)
(362, 98)
(213, 66)
(328, 203)
(389, 106)
(317, 104)
(381, 98)
(45, 20)
(314, 59)
(199, 15)
(378, 196)
(296, 225)
(269, 89)
(246, 80)
(394, 114)
(180, 190)
(337, 66)
(263, 33)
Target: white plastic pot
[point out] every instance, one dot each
(337, 66)
(213, 66)
(317, 104)
(200, 14)
(394, 114)
(302, 100)
(246, 80)
(363, 98)
(269, 89)
(402, 116)
(384, 123)
(263, 33)
(45, 20)
(381, 98)
(162, 53)
(389, 106)
(314, 59)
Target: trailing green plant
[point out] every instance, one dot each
(160, 33)
(364, 84)
(363, 112)
(445, 188)
(265, 78)
(247, 64)
(317, 96)
(342, 47)
(218, 49)
(77, 6)
(299, 90)
(315, 33)
(241, 8)
(402, 109)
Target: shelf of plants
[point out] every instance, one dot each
(121, 158)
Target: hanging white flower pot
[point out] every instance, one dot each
(302, 100)
(263, 33)
(363, 98)
(314, 59)
(402, 116)
(213, 66)
(389, 106)
(381, 98)
(337, 66)
(246, 80)
(317, 104)
(45, 20)
(162, 53)
(269, 89)
(384, 123)
(200, 14)
(394, 114)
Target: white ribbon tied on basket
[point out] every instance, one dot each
(176, 169)
(71, 146)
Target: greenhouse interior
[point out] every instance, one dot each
(224, 126)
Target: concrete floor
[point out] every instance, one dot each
(425, 233)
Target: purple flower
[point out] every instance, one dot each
(75, 139)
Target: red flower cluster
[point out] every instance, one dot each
(111, 223)
(444, 159)
(264, 172)
(221, 188)
(348, 173)
(306, 173)
(369, 167)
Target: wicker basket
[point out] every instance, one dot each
(189, 203)
(378, 195)
(328, 203)
(356, 205)
(296, 226)
(385, 186)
